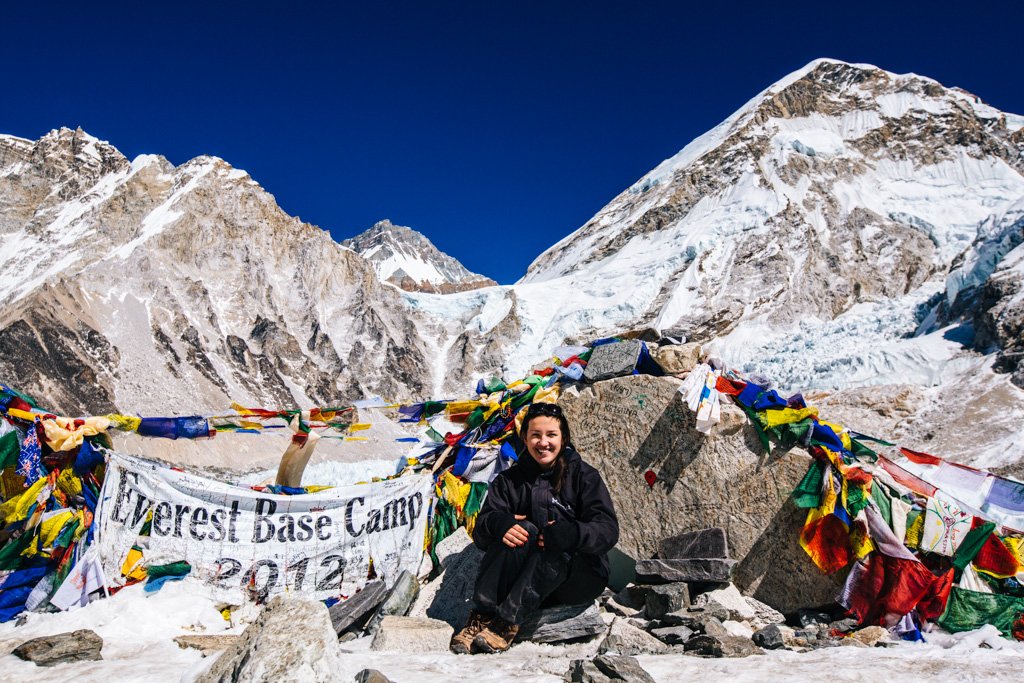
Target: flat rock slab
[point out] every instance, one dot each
(612, 360)
(706, 543)
(345, 615)
(565, 622)
(73, 646)
(207, 644)
(706, 570)
(412, 634)
(722, 646)
(606, 669)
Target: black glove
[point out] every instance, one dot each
(562, 536)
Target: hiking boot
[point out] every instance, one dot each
(496, 637)
(462, 642)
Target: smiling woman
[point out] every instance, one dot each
(546, 528)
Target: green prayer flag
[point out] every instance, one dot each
(10, 447)
(807, 494)
(883, 501)
(968, 610)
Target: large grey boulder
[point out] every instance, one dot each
(73, 646)
(629, 425)
(292, 641)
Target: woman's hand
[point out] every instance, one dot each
(516, 536)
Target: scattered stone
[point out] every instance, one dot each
(770, 638)
(399, 600)
(73, 646)
(207, 644)
(412, 634)
(606, 669)
(673, 635)
(614, 607)
(371, 676)
(632, 596)
(625, 639)
(844, 625)
(292, 639)
(695, 619)
(355, 610)
(694, 544)
(671, 571)
(763, 614)
(713, 627)
(666, 598)
(807, 617)
(450, 596)
(870, 635)
(729, 598)
(738, 628)
(677, 359)
(564, 622)
(722, 646)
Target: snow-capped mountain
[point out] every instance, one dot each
(143, 286)
(408, 259)
(808, 233)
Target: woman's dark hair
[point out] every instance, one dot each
(550, 410)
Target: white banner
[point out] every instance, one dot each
(244, 542)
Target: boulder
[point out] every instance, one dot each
(770, 638)
(399, 600)
(73, 646)
(666, 598)
(626, 639)
(371, 676)
(728, 598)
(606, 669)
(870, 635)
(564, 622)
(677, 359)
(673, 635)
(612, 360)
(721, 646)
(738, 628)
(357, 609)
(629, 425)
(292, 640)
(449, 597)
(763, 614)
(412, 634)
(694, 544)
(710, 570)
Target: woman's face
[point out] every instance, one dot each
(544, 440)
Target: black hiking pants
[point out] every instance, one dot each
(513, 582)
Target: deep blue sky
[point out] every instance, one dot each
(493, 128)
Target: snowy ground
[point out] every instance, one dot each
(138, 631)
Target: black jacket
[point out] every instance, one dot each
(584, 517)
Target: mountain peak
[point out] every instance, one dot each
(405, 257)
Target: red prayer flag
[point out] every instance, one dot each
(920, 458)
